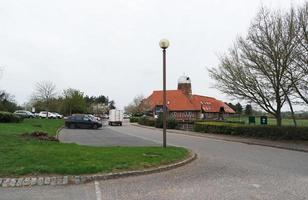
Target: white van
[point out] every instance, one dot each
(115, 117)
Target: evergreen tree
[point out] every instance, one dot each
(239, 108)
(248, 110)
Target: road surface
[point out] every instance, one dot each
(223, 170)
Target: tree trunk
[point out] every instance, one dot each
(70, 110)
(292, 112)
(279, 120)
(291, 107)
(47, 109)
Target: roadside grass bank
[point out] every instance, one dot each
(21, 156)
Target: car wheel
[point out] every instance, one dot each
(94, 126)
(72, 126)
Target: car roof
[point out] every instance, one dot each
(79, 114)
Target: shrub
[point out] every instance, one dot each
(133, 119)
(9, 117)
(234, 122)
(146, 121)
(171, 122)
(269, 132)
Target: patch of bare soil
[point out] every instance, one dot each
(38, 135)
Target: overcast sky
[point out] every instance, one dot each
(111, 47)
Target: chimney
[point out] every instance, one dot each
(184, 84)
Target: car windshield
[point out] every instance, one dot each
(86, 118)
(92, 117)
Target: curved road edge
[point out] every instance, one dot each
(65, 180)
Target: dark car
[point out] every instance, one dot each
(82, 121)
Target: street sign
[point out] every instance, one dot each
(263, 120)
(252, 120)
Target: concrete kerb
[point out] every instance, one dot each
(58, 132)
(196, 134)
(65, 180)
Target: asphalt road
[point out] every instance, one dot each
(223, 170)
(102, 137)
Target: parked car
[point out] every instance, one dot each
(24, 113)
(94, 117)
(82, 121)
(126, 116)
(43, 114)
(59, 116)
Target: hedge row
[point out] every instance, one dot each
(9, 117)
(268, 132)
(134, 119)
(147, 121)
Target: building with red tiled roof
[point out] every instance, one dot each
(183, 105)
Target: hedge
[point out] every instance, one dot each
(9, 117)
(146, 121)
(134, 119)
(268, 132)
(158, 123)
(171, 122)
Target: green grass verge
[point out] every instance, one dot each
(19, 156)
(271, 121)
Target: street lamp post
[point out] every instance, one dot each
(164, 44)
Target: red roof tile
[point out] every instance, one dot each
(177, 101)
(210, 104)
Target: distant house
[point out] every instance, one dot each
(183, 105)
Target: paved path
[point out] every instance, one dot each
(224, 170)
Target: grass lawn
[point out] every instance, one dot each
(272, 121)
(20, 156)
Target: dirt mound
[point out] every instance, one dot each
(40, 136)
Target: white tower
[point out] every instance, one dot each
(184, 84)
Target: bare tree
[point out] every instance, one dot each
(256, 68)
(299, 72)
(138, 106)
(45, 91)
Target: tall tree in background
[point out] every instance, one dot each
(74, 101)
(248, 110)
(44, 92)
(299, 72)
(101, 99)
(97, 104)
(138, 106)
(111, 105)
(239, 108)
(256, 68)
(7, 102)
